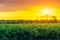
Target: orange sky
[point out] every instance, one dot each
(27, 9)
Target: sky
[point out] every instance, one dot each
(27, 9)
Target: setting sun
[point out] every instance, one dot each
(47, 11)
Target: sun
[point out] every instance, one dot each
(47, 11)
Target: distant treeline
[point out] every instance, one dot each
(27, 21)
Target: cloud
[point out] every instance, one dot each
(1, 5)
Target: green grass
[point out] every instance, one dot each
(30, 31)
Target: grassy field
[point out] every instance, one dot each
(30, 31)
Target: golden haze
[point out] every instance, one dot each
(27, 14)
(28, 9)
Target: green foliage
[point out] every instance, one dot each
(30, 31)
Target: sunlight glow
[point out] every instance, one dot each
(47, 11)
